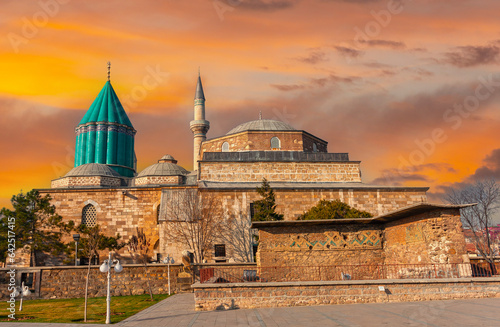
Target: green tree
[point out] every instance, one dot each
(37, 225)
(265, 209)
(333, 210)
(92, 240)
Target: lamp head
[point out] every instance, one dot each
(76, 237)
(118, 267)
(26, 291)
(104, 268)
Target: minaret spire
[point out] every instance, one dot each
(199, 126)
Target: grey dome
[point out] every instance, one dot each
(167, 157)
(92, 169)
(163, 169)
(262, 125)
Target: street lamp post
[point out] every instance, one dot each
(106, 268)
(76, 237)
(168, 260)
(23, 291)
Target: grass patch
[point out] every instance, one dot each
(71, 310)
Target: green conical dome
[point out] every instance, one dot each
(105, 135)
(106, 108)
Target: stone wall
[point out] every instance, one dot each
(118, 211)
(121, 210)
(432, 237)
(259, 295)
(159, 180)
(261, 140)
(72, 181)
(69, 282)
(320, 245)
(294, 202)
(280, 171)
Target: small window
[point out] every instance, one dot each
(158, 214)
(225, 147)
(275, 143)
(315, 147)
(252, 211)
(89, 216)
(220, 250)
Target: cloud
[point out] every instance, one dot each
(284, 87)
(384, 44)
(314, 57)
(391, 177)
(419, 173)
(348, 52)
(319, 82)
(490, 168)
(262, 5)
(469, 56)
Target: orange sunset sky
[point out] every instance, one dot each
(411, 88)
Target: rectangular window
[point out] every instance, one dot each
(28, 278)
(252, 212)
(220, 250)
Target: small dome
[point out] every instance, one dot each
(92, 169)
(262, 125)
(166, 166)
(167, 158)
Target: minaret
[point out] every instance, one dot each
(199, 126)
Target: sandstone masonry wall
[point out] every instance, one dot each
(261, 140)
(118, 211)
(158, 180)
(69, 282)
(320, 245)
(280, 171)
(259, 295)
(433, 237)
(71, 181)
(294, 202)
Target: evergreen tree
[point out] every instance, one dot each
(265, 209)
(37, 225)
(333, 210)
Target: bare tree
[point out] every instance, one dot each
(91, 242)
(240, 237)
(196, 219)
(139, 247)
(478, 218)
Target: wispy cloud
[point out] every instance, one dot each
(468, 56)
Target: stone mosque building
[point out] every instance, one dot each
(105, 187)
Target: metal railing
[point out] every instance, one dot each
(344, 272)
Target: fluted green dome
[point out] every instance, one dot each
(105, 135)
(106, 108)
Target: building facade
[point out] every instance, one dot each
(104, 187)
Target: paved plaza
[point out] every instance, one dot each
(178, 310)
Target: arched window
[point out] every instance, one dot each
(275, 143)
(315, 147)
(89, 216)
(225, 147)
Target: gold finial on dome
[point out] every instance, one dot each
(109, 69)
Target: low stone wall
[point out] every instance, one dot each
(260, 295)
(69, 282)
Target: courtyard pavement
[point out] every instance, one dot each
(178, 310)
